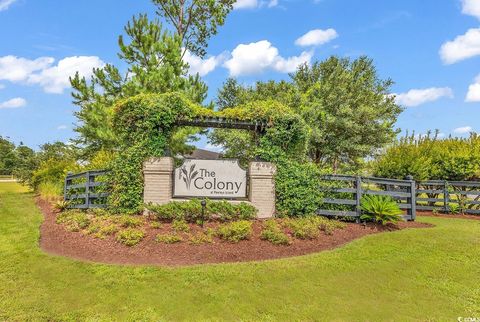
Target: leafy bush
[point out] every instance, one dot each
(130, 236)
(454, 208)
(168, 238)
(75, 220)
(328, 226)
(382, 209)
(227, 211)
(130, 221)
(235, 231)
(202, 237)
(274, 234)
(297, 188)
(304, 228)
(180, 226)
(108, 230)
(191, 211)
(156, 225)
(428, 157)
(61, 205)
(50, 191)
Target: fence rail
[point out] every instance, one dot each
(350, 189)
(441, 195)
(84, 190)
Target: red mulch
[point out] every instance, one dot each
(55, 239)
(441, 215)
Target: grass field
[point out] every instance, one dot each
(421, 274)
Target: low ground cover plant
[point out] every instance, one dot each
(168, 238)
(381, 209)
(235, 231)
(191, 211)
(130, 236)
(273, 233)
(203, 237)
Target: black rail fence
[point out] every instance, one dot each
(86, 190)
(345, 192)
(443, 195)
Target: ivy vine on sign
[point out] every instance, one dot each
(145, 125)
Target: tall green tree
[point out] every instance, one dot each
(195, 21)
(349, 109)
(154, 57)
(8, 157)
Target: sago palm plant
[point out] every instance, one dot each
(382, 209)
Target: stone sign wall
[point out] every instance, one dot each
(213, 179)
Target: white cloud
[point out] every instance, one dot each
(56, 78)
(417, 97)
(252, 4)
(473, 94)
(62, 127)
(4, 4)
(272, 3)
(203, 66)
(463, 130)
(245, 4)
(41, 71)
(316, 37)
(462, 47)
(254, 58)
(17, 69)
(471, 7)
(13, 103)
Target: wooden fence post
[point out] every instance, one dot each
(413, 198)
(87, 190)
(358, 187)
(446, 197)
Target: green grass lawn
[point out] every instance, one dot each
(419, 274)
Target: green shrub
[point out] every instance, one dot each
(130, 221)
(297, 188)
(93, 228)
(235, 231)
(329, 226)
(168, 238)
(382, 209)
(191, 211)
(155, 225)
(130, 236)
(108, 230)
(180, 226)
(205, 237)
(304, 228)
(274, 234)
(245, 211)
(50, 191)
(75, 220)
(99, 212)
(61, 205)
(454, 208)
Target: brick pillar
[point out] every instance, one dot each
(158, 180)
(262, 188)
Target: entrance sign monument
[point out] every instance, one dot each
(212, 179)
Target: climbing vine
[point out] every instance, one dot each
(145, 124)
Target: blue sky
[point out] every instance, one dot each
(430, 48)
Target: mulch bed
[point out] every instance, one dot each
(450, 216)
(55, 239)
